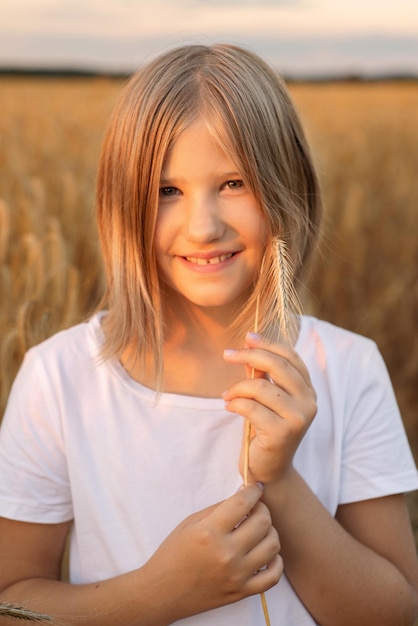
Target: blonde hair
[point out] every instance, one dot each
(247, 107)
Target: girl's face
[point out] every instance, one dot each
(210, 232)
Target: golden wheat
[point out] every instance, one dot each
(23, 614)
(364, 140)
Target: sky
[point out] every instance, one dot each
(299, 37)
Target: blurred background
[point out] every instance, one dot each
(300, 37)
(352, 70)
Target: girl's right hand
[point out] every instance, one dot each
(217, 556)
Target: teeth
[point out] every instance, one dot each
(212, 261)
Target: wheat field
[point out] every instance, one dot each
(364, 139)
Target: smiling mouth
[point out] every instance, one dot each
(212, 261)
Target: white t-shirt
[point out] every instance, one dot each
(81, 440)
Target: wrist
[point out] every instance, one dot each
(155, 598)
(283, 487)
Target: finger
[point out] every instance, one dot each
(232, 511)
(278, 369)
(281, 350)
(263, 391)
(269, 412)
(263, 552)
(287, 357)
(201, 515)
(266, 578)
(253, 528)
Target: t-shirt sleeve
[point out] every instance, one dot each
(34, 482)
(376, 457)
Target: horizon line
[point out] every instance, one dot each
(312, 76)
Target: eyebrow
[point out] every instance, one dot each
(168, 182)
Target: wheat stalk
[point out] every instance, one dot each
(247, 462)
(19, 612)
(284, 309)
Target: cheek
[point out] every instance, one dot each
(161, 233)
(260, 230)
(159, 249)
(165, 236)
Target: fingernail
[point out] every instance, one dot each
(260, 486)
(225, 393)
(254, 336)
(229, 352)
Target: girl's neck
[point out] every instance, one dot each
(197, 327)
(193, 355)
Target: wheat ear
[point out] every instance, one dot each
(288, 305)
(283, 309)
(19, 612)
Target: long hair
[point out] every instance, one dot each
(248, 109)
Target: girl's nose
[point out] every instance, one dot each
(204, 221)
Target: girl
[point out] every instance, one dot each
(125, 433)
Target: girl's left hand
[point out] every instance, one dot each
(280, 408)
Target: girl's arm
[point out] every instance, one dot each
(208, 561)
(358, 568)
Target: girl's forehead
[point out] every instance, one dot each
(214, 126)
(197, 146)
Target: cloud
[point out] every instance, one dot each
(297, 35)
(365, 54)
(239, 4)
(118, 18)
(143, 18)
(299, 56)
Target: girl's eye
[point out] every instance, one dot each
(234, 184)
(168, 192)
